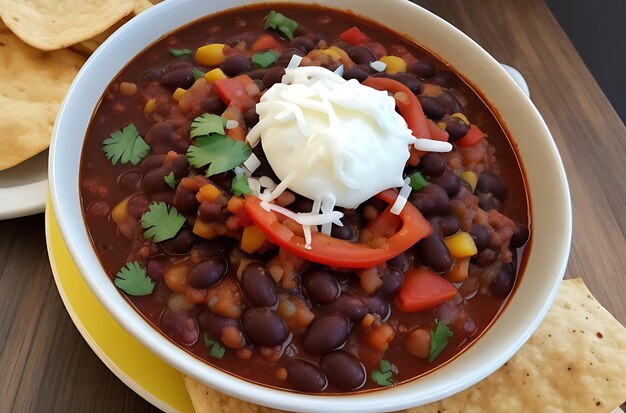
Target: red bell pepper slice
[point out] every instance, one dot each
(471, 138)
(422, 290)
(354, 36)
(340, 253)
(239, 91)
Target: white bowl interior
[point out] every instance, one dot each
(549, 194)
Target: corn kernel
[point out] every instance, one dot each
(210, 55)
(252, 239)
(461, 116)
(461, 245)
(394, 64)
(208, 193)
(332, 54)
(119, 212)
(178, 94)
(150, 106)
(213, 75)
(470, 178)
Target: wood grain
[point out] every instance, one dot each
(45, 365)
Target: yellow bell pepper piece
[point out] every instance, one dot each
(214, 75)
(461, 245)
(210, 55)
(394, 64)
(119, 212)
(252, 239)
(208, 193)
(178, 94)
(204, 229)
(470, 178)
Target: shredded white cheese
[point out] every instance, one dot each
(340, 70)
(252, 163)
(305, 218)
(430, 145)
(402, 198)
(378, 66)
(231, 124)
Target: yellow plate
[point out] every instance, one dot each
(142, 371)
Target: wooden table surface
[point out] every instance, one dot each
(45, 365)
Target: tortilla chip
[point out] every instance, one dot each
(33, 86)
(87, 47)
(574, 362)
(49, 25)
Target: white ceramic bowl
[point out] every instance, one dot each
(549, 194)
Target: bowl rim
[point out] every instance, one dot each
(394, 398)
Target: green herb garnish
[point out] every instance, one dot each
(125, 145)
(217, 350)
(179, 52)
(383, 376)
(264, 59)
(220, 151)
(417, 181)
(197, 73)
(133, 280)
(280, 22)
(240, 186)
(206, 124)
(438, 339)
(170, 180)
(161, 222)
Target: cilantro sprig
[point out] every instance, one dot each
(179, 52)
(206, 124)
(133, 280)
(170, 180)
(161, 222)
(438, 339)
(125, 145)
(384, 375)
(218, 151)
(197, 73)
(217, 350)
(264, 59)
(280, 22)
(417, 181)
(240, 186)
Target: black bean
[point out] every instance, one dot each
(181, 64)
(208, 273)
(98, 210)
(167, 197)
(212, 211)
(152, 161)
(481, 236)
(138, 205)
(257, 73)
(273, 76)
(215, 325)
(264, 327)
(235, 65)
(355, 73)
(402, 262)
(361, 55)
(378, 305)
(503, 283)
(343, 370)
(181, 243)
(306, 376)
(185, 201)
(182, 78)
(350, 305)
(520, 236)
(488, 182)
(432, 164)
(486, 257)
(213, 104)
(251, 118)
(448, 224)
(344, 232)
(410, 81)
(321, 285)
(434, 253)
(224, 180)
(444, 78)
(489, 201)
(455, 127)
(448, 181)
(151, 75)
(423, 68)
(258, 286)
(180, 326)
(301, 204)
(392, 281)
(326, 333)
(342, 45)
(432, 108)
(130, 180)
(259, 83)
(430, 200)
(450, 102)
(287, 54)
(265, 169)
(302, 43)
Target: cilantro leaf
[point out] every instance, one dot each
(125, 145)
(417, 181)
(220, 151)
(206, 124)
(170, 180)
(239, 185)
(217, 350)
(133, 280)
(384, 375)
(280, 22)
(264, 59)
(161, 222)
(179, 52)
(438, 339)
(197, 73)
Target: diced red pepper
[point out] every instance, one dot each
(239, 91)
(354, 36)
(422, 290)
(471, 138)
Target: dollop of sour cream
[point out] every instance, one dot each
(332, 140)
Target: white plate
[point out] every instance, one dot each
(23, 187)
